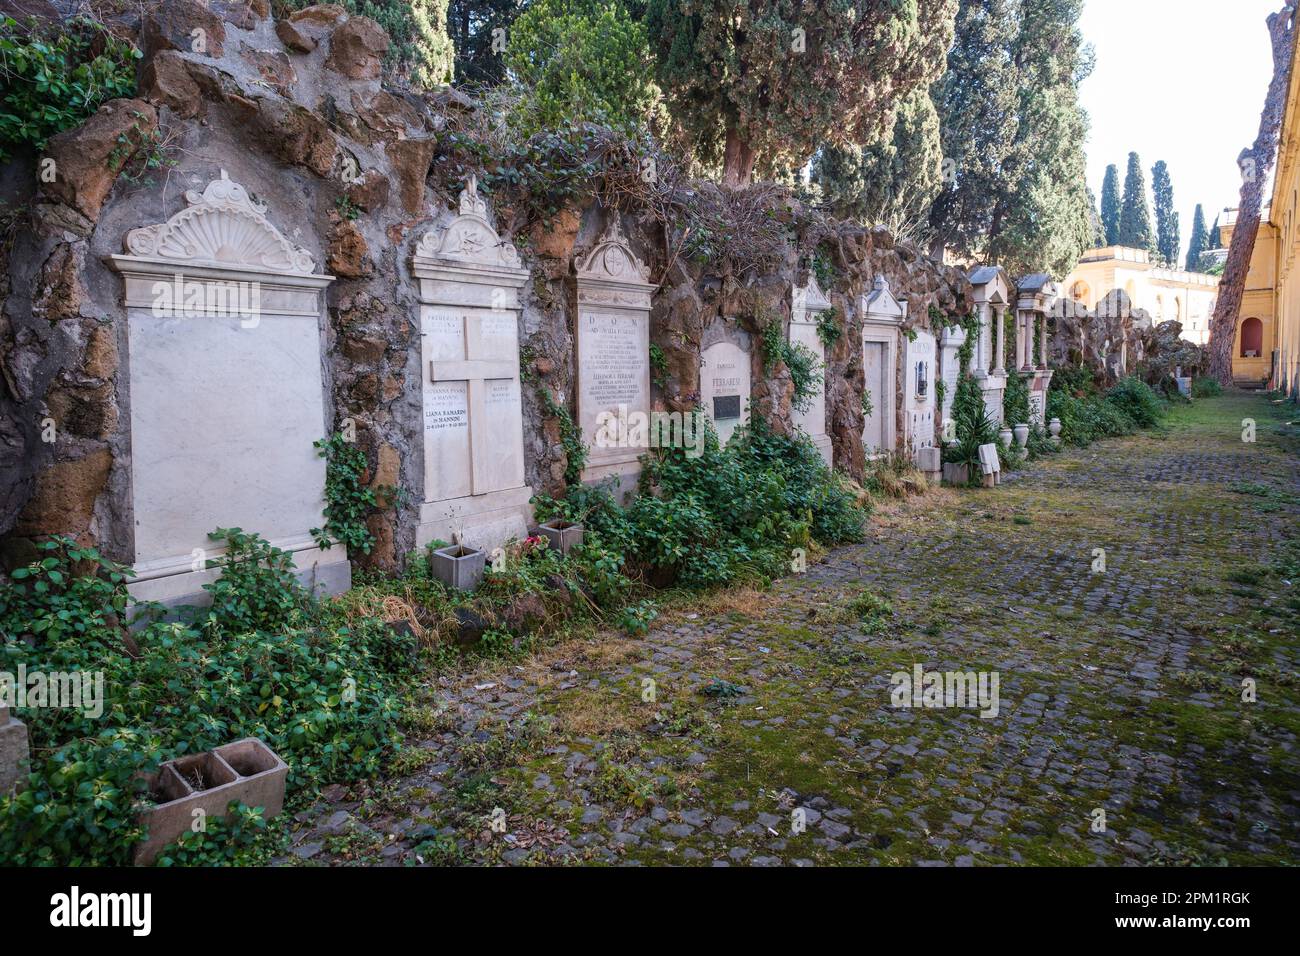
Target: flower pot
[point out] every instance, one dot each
(247, 771)
(1004, 437)
(1054, 427)
(1022, 435)
(955, 474)
(562, 535)
(458, 566)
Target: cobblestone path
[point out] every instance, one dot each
(772, 739)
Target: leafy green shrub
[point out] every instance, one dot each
(580, 61)
(637, 618)
(1085, 420)
(1015, 400)
(1075, 380)
(973, 425)
(53, 78)
(731, 513)
(322, 695)
(347, 499)
(1206, 387)
(257, 590)
(806, 369)
(1135, 399)
(223, 842)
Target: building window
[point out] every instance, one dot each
(1252, 338)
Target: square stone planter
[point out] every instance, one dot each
(954, 474)
(247, 771)
(458, 566)
(562, 535)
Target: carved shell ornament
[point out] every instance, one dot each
(222, 227)
(469, 237)
(613, 259)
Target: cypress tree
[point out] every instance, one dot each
(977, 103)
(1168, 240)
(1197, 244)
(1134, 213)
(764, 83)
(1110, 205)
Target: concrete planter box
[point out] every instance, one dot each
(955, 474)
(458, 566)
(562, 535)
(247, 771)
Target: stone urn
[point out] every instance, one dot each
(1022, 435)
(1004, 437)
(1054, 427)
(561, 535)
(458, 566)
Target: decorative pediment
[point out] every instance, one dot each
(990, 284)
(612, 259)
(880, 302)
(222, 228)
(469, 237)
(811, 298)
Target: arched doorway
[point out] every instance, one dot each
(1252, 338)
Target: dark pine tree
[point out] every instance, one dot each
(1134, 213)
(1168, 240)
(1110, 205)
(1197, 244)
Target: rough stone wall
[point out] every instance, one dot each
(296, 111)
(1116, 339)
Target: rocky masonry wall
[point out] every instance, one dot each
(355, 172)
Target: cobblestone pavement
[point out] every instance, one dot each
(771, 738)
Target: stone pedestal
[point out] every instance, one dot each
(1036, 297)
(725, 387)
(224, 333)
(14, 753)
(882, 317)
(992, 299)
(1038, 382)
(469, 281)
(806, 305)
(612, 333)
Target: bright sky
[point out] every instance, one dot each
(1178, 80)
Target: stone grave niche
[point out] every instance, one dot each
(992, 299)
(918, 393)
(612, 292)
(882, 317)
(1037, 295)
(224, 336)
(951, 339)
(806, 305)
(473, 437)
(725, 377)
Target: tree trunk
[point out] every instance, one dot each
(1256, 163)
(737, 161)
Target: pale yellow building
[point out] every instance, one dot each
(1257, 332)
(1267, 344)
(1167, 294)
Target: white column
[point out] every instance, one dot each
(999, 357)
(1042, 341)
